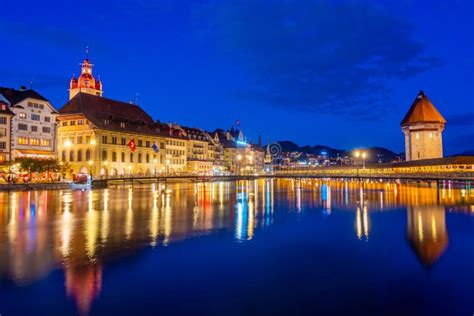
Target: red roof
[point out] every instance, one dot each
(422, 111)
(109, 114)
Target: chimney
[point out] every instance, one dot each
(23, 88)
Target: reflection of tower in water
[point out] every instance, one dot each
(362, 223)
(427, 233)
(83, 284)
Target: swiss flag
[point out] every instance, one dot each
(132, 144)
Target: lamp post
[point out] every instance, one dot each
(167, 167)
(154, 169)
(90, 167)
(364, 155)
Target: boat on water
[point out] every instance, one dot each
(81, 181)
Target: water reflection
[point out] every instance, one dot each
(80, 230)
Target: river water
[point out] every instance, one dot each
(263, 247)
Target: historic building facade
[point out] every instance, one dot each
(6, 116)
(105, 137)
(33, 126)
(199, 158)
(423, 126)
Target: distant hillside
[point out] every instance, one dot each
(376, 153)
(466, 153)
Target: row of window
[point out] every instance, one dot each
(34, 141)
(34, 117)
(78, 156)
(36, 105)
(73, 122)
(33, 128)
(175, 152)
(175, 143)
(76, 140)
(123, 141)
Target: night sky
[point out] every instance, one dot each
(316, 72)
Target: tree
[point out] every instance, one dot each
(40, 165)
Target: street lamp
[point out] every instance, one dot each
(90, 162)
(154, 170)
(364, 155)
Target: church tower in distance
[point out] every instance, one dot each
(86, 82)
(423, 126)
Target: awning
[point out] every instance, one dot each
(35, 153)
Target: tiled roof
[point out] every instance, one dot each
(108, 114)
(15, 96)
(422, 111)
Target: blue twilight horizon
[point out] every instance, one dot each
(338, 73)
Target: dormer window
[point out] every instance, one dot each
(106, 121)
(122, 125)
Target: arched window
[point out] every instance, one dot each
(71, 155)
(79, 155)
(123, 157)
(63, 155)
(104, 155)
(114, 156)
(88, 154)
(131, 157)
(147, 158)
(139, 158)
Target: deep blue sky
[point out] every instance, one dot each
(316, 72)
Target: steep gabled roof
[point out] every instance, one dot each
(108, 114)
(422, 111)
(15, 96)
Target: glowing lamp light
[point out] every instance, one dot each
(67, 143)
(155, 161)
(357, 154)
(90, 162)
(239, 157)
(92, 141)
(105, 162)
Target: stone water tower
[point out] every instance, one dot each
(423, 126)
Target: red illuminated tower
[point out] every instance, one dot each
(86, 82)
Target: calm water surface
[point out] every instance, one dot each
(264, 247)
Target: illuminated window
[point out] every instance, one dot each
(35, 141)
(431, 135)
(23, 141)
(45, 142)
(122, 125)
(80, 122)
(417, 136)
(22, 115)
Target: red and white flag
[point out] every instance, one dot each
(132, 144)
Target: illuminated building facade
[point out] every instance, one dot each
(5, 126)
(198, 158)
(423, 126)
(105, 137)
(33, 126)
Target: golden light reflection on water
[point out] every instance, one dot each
(79, 229)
